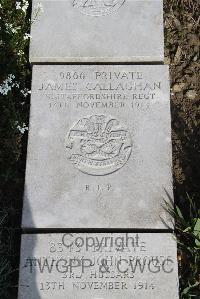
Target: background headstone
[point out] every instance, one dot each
(97, 31)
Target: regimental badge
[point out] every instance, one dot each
(97, 7)
(98, 145)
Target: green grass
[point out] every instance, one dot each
(188, 240)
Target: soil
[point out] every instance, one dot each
(181, 20)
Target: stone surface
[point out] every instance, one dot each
(97, 31)
(98, 266)
(99, 152)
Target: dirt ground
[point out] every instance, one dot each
(182, 54)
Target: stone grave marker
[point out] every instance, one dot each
(91, 266)
(97, 31)
(99, 153)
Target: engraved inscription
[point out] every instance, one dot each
(97, 7)
(98, 145)
(117, 90)
(99, 266)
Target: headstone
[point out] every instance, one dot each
(98, 266)
(99, 153)
(97, 31)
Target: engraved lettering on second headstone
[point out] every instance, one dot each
(98, 145)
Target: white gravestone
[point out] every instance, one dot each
(97, 31)
(98, 266)
(99, 152)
